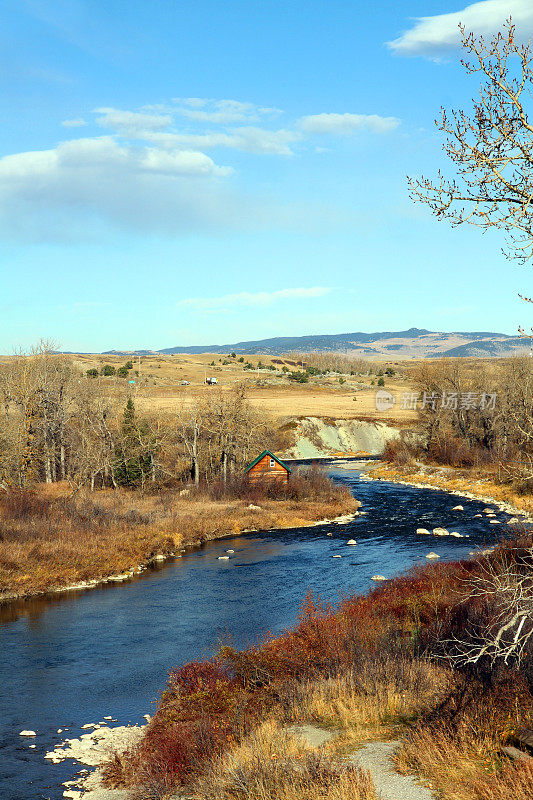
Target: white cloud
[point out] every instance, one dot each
(45, 194)
(180, 162)
(435, 35)
(252, 299)
(223, 112)
(260, 141)
(80, 155)
(193, 102)
(132, 124)
(347, 124)
(74, 123)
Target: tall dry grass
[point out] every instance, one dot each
(465, 767)
(270, 764)
(374, 699)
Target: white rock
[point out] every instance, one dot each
(456, 534)
(432, 555)
(495, 522)
(423, 532)
(477, 515)
(147, 717)
(230, 551)
(379, 578)
(108, 717)
(223, 558)
(329, 534)
(487, 510)
(254, 508)
(513, 521)
(458, 508)
(440, 532)
(336, 556)
(60, 730)
(351, 541)
(88, 725)
(32, 746)
(27, 733)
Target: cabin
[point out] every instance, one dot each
(211, 381)
(267, 469)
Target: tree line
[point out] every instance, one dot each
(59, 425)
(469, 416)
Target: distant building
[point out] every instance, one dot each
(267, 468)
(211, 381)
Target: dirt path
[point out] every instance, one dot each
(377, 758)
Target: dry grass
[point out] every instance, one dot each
(269, 764)
(158, 388)
(465, 768)
(50, 540)
(373, 701)
(482, 483)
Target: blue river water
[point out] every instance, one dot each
(80, 656)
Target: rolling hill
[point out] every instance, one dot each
(396, 345)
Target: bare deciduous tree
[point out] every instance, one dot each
(491, 146)
(505, 585)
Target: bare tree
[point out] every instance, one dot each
(189, 429)
(491, 146)
(505, 587)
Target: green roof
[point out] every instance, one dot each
(262, 455)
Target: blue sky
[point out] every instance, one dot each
(191, 172)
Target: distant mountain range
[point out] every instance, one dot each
(396, 345)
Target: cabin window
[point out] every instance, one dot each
(272, 463)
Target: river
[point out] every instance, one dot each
(80, 656)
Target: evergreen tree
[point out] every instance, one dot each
(135, 451)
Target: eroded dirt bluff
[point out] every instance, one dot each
(316, 437)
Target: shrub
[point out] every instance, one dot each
(92, 373)
(381, 381)
(108, 370)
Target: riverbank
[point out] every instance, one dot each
(455, 481)
(55, 542)
(374, 669)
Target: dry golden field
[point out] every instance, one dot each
(158, 385)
